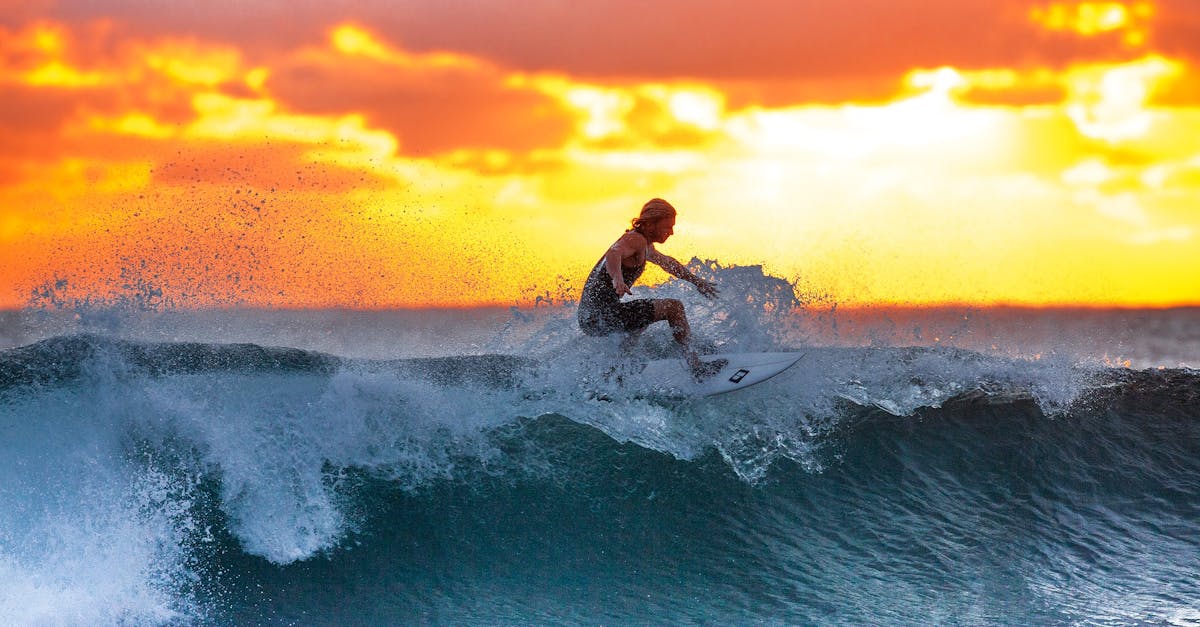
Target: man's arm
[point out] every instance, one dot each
(674, 268)
(625, 246)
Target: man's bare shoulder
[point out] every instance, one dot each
(631, 241)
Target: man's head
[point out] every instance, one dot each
(656, 220)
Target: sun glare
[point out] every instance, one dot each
(1110, 102)
(604, 109)
(930, 116)
(702, 109)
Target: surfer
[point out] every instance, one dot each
(601, 310)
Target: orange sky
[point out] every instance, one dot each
(430, 153)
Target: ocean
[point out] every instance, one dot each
(474, 467)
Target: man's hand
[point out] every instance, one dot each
(707, 288)
(621, 288)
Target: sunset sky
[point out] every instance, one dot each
(410, 153)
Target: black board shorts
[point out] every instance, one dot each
(626, 316)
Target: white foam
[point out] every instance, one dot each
(88, 537)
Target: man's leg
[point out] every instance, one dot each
(671, 310)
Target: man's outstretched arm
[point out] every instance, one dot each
(675, 268)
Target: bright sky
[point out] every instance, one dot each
(429, 153)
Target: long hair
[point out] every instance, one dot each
(654, 209)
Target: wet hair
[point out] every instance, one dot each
(654, 209)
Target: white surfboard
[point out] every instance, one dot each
(742, 370)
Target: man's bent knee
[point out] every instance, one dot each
(670, 309)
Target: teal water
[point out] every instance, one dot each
(208, 483)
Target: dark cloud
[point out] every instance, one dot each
(28, 115)
(430, 109)
(721, 39)
(704, 39)
(14, 13)
(40, 125)
(1177, 28)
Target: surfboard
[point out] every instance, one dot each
(740, 371)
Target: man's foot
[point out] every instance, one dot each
(703, 370)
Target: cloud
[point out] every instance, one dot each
(27, 117)
(782, 52)
(725, 39)
(779, 41)
(268, 167)
(68, 80)
(433, 103)
(1176, 30)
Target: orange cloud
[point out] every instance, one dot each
(711, 40)
(434, 102)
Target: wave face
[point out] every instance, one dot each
(152, 482)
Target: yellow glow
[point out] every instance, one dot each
(1090, 172)
(658, 161)
(188, 65)
(605, 109)
(352, 40)
(1109, 102)
(257, 78)
(856, 132)
(48, 39)
(701, 108)
(944, 80)
(993, 78)
(224, 117)
(182, 61)
(72, 178)
(58, 74)
(136, 124)
(1102, 18)
(607, 112)
(1091, 19)
(1085, 18)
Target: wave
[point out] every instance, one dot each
(63, 359)
(153, 482)
(817, 396)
